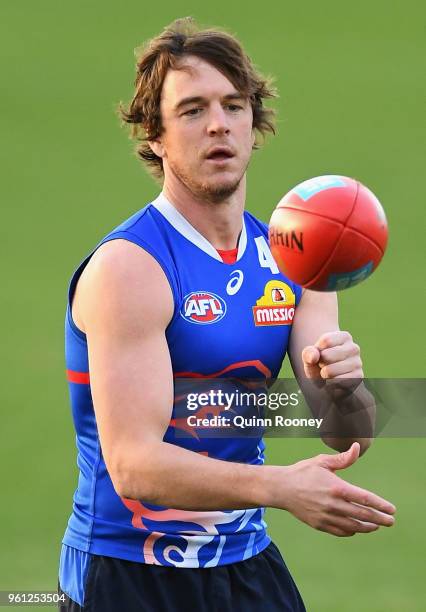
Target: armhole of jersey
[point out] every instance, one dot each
(146, 247)
(298, 292)
(71, 290)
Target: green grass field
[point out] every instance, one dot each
(350, 77)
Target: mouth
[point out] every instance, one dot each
(220, 154)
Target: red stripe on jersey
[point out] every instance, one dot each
(80, 378)
(255, 363)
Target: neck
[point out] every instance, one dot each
(219, 222)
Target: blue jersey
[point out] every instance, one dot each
(229, 319)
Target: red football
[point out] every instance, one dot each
(328, 233)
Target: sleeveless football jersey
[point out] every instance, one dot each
(229, 320)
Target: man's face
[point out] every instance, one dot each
(207, 136)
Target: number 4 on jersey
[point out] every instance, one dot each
(265, 256)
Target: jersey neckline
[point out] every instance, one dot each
(188, 231)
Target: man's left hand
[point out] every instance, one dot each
(334, 355)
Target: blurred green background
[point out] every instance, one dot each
(351, 83)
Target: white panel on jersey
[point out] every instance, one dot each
(242, 243)
(178, 221)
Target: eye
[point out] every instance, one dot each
(192, 112)
(234, 107)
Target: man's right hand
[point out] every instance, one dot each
(316, 496)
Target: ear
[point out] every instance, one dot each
(157, 148)
(253, 137)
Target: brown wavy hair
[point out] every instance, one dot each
(218, 48)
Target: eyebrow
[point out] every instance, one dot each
(201, 100)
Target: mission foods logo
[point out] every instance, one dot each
(276, 306)
(203, 307)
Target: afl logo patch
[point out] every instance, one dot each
(203, 307)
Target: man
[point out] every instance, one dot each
(167, 523)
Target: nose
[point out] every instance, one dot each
(218, 123)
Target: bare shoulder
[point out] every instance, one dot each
(122, 281)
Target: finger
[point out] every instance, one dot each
(348, 366)
(331, 339)
(356, 376)
(363, 514)
(340, 461)
(310, 358)
(344, 384)
(339, 353)
(350, 525)
(355, 494)
(310, 355)
(333, 530)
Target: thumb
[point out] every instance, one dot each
(310, 358)
(340, 461)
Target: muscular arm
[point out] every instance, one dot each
(335, 357)
(123, 303)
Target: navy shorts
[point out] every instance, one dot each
(259, 584)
